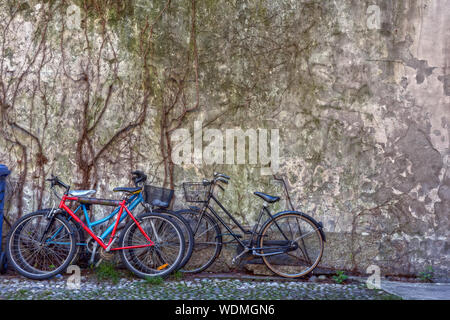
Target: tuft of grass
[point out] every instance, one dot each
(390, 297)
(178, 275)
(340, 277)
(107, 271)
(22, 293)
(154, 281)
(427, 275)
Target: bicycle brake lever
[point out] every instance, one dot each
(221, 180)
(52, 182)
(138, 173)
(138, 176)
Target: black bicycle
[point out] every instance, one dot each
(290, 243)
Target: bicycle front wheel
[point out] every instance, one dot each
(39, 248)
(207, 240)
(291, 245)
(159, 259)
(79, 234)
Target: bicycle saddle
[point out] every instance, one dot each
(127, 190)
(266, 197)
(81, 193)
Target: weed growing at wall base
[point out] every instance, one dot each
(340, 277)
(107, 271)
(427, 275)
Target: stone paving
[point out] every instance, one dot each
(190, 288)
(418, 291)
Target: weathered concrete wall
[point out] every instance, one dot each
(359, 91)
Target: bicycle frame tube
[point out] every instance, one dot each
(99, 240)
(216, 215)
(264, 208)
(131, 203)
(252, 232)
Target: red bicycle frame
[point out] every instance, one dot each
(62, 205)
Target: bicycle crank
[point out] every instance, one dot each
(93, 252)
(107, 255)
(237, 259)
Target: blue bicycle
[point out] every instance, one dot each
(153, 199)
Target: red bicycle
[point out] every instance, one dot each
(43, 244)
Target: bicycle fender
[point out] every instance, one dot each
(191, 208)
(319, 224)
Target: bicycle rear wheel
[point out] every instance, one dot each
(160, 259)
(207, 238)
(187, 234)
(301, 235)
(39, 248)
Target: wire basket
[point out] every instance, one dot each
(196, 191)
(157, 197)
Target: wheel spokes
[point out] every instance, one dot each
(303, 235)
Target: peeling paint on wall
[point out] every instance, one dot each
(362, 109)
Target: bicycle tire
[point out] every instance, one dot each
(187, 233)
(80, 249)
(281, 263)
(18, 260)
(195, 263)
(140, 268)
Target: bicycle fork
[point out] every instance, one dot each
(51, 217)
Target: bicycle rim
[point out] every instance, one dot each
(39, 260)
(185, 229)
(188, 237)
(207, 239)
(160, 259)
(307, 245)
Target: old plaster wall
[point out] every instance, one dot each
(359, 91)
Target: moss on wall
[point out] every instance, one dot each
(103, 97)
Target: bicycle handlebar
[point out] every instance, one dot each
(55, 181)
(221, 180)
(138, 177)
(221, 175)
(218, 177)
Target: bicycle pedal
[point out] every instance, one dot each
(98, 263)
(236, 260)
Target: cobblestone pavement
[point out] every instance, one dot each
(191, 288)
